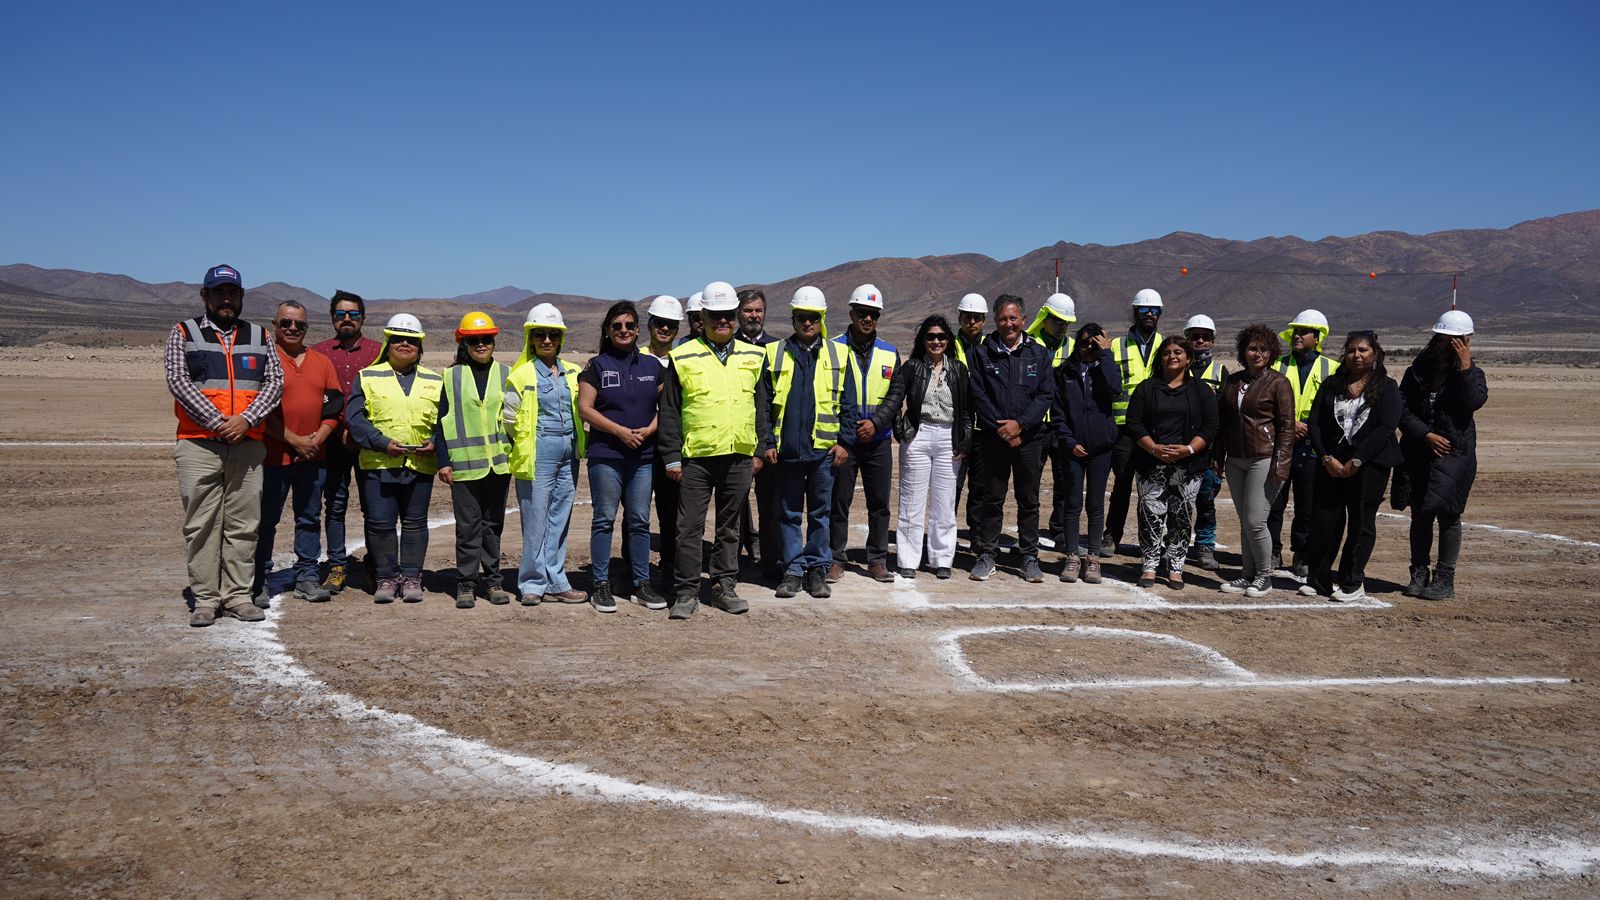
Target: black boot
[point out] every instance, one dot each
(1419, 581)
(1443, 585)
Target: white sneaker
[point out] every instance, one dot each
(1260, 587)
(1307, 590)
(1350, 596)
(1236, 586)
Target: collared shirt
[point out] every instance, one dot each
(1142, 343)
(346, 363)
(760, 340)
(205, 413)
(555, 401)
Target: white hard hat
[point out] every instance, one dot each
(973, 303)
(1200, 322)
(404, 324)
(1454, 323)
(1147, 297)
(810, 299)
(719, 296)
(1309, 318)
(697, 302)
(1062, 307)
(665, 307)
(545, 315)
(867, 295)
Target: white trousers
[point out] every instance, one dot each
(927, 495)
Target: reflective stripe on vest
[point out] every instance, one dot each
(719, 398)
(228, 370)
(1321, 369)
(827, 384)
(524, 382)
(406, 418)
(872, 385)
(473, 432)
(1212, 375)
(1134, 368)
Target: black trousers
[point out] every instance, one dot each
(480, 507)
(875, 462)
(762, 532)
(724, 480)
(1303, 471)
(667, 515)
(1346, 511)
(1121, 487)
(996, 465)
(1059, 474)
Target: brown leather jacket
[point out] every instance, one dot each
(1261, 425)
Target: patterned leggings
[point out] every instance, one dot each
(1166, 515)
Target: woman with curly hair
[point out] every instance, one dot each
(1255, 446)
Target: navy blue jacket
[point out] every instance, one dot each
(1016, 385)
(792, 434)
(1083, 413)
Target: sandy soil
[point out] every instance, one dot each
(141, 756)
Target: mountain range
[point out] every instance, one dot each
(1531, 277)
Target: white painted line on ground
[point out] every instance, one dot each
(1138, 599)
(86, 443)
(1513, 532)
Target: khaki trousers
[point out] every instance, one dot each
(220, 484)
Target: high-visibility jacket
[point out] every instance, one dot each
(719, 398)
(827, 383)
(1322, 368)
(228, 370)
(959, 346)
(473, 432)
(524, 381)
(1134, 368)
(873, 384)
(407, 418)
(1212, 375)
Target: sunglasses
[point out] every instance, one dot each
(480, 340)
(721, 315)
(936, 336)
(401, 340)
(807, 318)
(663, 325)
(354, 314)
(291, 324)
(1147, 310)
(866, 313)
(544, 334)
(624, 326)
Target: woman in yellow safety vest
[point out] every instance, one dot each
(547, 440)
(474, 458)
(393, 412)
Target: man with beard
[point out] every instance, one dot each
(350, 351)
(871, 365)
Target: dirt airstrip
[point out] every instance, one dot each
(850, 746)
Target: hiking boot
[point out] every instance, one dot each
(726, 598)
(335, 581)
(1147, 578)
(1419, 582)
(385, 591)
(411, 590)
(1260, 586)
(816, 583)
(311, 591)
(684, 606)
(1442, 586)
(570, 595)
(1030, 570)
(601, 598)
(835, 572)
(1300, 568)
(942, 573)
(260, 597)
(983, 568)
(788, 587)
(1206, 558)
(1175, 580)
(1069, 572)
(466, 597)
(1108, 547)
(903, 572)
(244, 612)
(1091, 570)
(499, 596)
(202, 616)
(646, 596)
(529, 599)
(879, 572)
(1236, 586)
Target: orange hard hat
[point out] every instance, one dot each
(476, 323)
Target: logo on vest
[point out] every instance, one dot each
(610, 378)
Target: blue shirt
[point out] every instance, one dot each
(555, 402)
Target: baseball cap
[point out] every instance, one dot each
(222, 275)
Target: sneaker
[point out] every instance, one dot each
(726, 598)
(983, 568)
(1418, 583)
(1108, 547)
(1306, 590)
(879, 572)
(684, 606)
(311, 591)
(385, 591)
(1175, 580)
(1442, 586)
(789, 586)
(835, 572)
(1069, 572)
(1236, 586)
(202, 616)
(1091, 570)
(601, 598)
(942, 573)
(499, 596)
(816, 583)
(466, 597)
(1260, 586)
(646, 596)
(530, 599)
(1207, 558)
(1030, 570)
(570, 595)
(244, 612)
(334, 583)
(1343, 594)
(906, 573)
(411, 590)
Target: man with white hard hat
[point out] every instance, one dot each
(1306, 368)
(872, 362)
(665, 316)
(1201, 332)
(805, 415)
(971, 313)
(694, 310)
(708, 439)
(1135, 355)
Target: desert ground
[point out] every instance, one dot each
(943, 738)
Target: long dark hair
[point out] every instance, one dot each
(919, 347)
(1089, 331)
(1175, 340)
(1340, 381)
(619, 308)
(1437, 357)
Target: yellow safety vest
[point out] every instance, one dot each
(873, 384)
(1212, 376)
(1134, 368)
(719, 398)
(1321, 369)
(827, 383)
(524, 382)
(407, 418)
(473, 431)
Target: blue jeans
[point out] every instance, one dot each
(336, 498)
(303, 483)
(626, 481)
(1205, 510)
(545, 504)
(384, 503)
(803, 485)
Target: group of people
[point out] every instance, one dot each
(692, 421)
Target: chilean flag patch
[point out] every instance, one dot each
(888, 372)
(249, 362)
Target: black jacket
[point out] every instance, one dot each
(1200, 420)
(909, 385)
(1373, 443)
(1083, 408)
(1018, 385)
(1440, 484)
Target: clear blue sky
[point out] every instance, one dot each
(403, 149)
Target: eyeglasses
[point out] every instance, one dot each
(624, 326)
(354, 314)
(663, 325)
(721, 315)
(291, 324)
(1147, 310)
(936, 336)
(806, 318)
(403, 339)
(480, 340)
(865, 312)
(544, 334)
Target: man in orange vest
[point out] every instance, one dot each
(225, 379)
